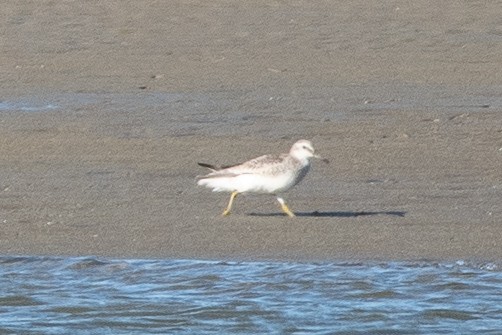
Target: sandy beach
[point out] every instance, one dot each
(106, 108)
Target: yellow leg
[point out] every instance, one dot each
(229, 206)
(285, 207)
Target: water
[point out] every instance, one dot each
(279, 113)
(95, 296)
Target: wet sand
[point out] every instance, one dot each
(107, 108)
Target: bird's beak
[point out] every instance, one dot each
(325, 160)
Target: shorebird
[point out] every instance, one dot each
(268, 174)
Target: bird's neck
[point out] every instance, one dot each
(303, 161)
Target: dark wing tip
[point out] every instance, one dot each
(216, 168)
(209, 166)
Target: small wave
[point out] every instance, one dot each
(211, 297)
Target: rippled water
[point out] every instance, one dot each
(94, 296)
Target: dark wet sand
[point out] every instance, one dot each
(403, 99)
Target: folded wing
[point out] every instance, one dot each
(261, 165)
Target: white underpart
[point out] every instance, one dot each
(251, 183)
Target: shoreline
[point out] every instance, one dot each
(405, 104)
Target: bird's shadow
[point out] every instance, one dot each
(334, 214)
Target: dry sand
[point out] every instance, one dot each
(403, 98)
